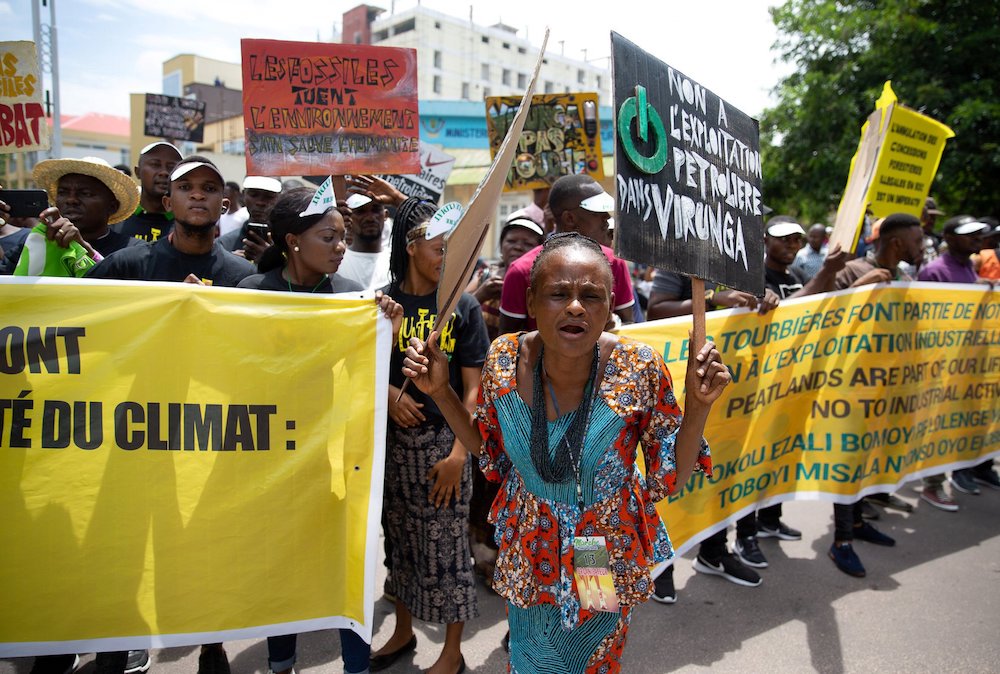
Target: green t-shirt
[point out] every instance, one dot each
(42, 257)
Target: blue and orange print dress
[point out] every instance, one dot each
(536, 520)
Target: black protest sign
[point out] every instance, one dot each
(688, 175)
(175, 118)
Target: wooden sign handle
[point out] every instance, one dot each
(698, 313)
(340, 188)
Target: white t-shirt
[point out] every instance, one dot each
(230, 221)
(369, 269)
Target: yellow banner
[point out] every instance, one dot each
(838, 396)
(184, 464)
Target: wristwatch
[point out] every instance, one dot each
(710, 297)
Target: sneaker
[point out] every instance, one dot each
(890, 502)
(138, 661)
(213, 660)
(866, 532)
(748, 550)
(962, 481)
(730, 568)
(987, 478)
(781, 531)
(663, 588)
(847, 560)
(938, 498)
(868, 511)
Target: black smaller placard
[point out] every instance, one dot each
(175, 118)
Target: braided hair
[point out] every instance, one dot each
(411, 213)
(564, 241)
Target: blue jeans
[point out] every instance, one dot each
(281, 652)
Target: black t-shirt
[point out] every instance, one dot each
(113, 241)
(12, 245)
(463, 339)
(273, 280)
(145, 226)
(160, 261)
(782, 283)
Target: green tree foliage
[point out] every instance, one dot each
(943, 57)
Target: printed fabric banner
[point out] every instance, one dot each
(839, 396)
(315, 108)
(175, 466)
(23, 127)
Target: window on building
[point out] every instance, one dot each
(505, 77)
(357, 38)
(506, 45)
(485, 72)
(380, 35)
(486, 39)
(549, 87)
(522, 81)
(437, 84)
(580, 75)
(437, 24)
(437, 59)
(465, 91)
(522, 50)
(598, 78)
(487, 92)
(404, 26)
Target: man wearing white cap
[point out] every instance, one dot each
(191, 254)
(152, 220)
(367, 259)
(260, 194)
(578, 204)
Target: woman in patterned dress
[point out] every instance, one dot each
(562, 439)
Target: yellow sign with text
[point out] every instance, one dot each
(183, 464)
(839, 395)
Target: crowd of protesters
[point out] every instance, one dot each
(555, 291)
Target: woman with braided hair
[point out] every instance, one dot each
(561, 411)
(428, 474)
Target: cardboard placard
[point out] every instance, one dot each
(688, 175)
(23, 127)
(892, 170)
(174, 118)
(329, 109)
(561, 136)
(435, 167)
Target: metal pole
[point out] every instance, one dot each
(56, 116)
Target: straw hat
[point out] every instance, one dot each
(47, 174)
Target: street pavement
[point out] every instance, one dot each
(932, 603)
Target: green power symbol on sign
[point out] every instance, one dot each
(646, 116)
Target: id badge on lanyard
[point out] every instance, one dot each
(594, 582)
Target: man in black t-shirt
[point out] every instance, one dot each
(151, 220)
(191, 252)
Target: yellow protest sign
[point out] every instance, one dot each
(184, 464)
(839, 395)
(908, 161)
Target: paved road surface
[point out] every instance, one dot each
(932, 603)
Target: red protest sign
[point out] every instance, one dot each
(318, 109)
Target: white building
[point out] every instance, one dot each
(460, 60)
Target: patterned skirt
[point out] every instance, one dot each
(431, 568)
(540, 645)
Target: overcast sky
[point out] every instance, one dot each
(110, 48)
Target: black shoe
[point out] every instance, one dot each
(56, 664)
(866, 532)
(730, 568)
(377, 663)
(138, 661)
(213, 660)
(780, 531)
(748, 550)
(663, 587)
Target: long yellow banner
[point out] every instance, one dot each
(839, 395)
(182, 464)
